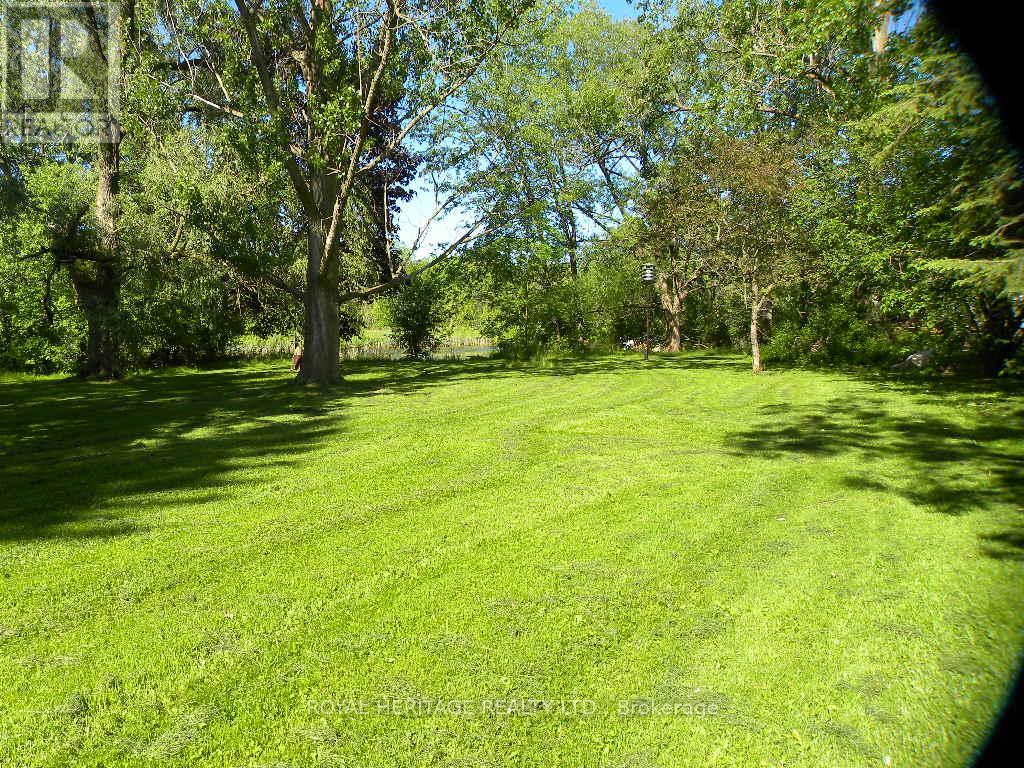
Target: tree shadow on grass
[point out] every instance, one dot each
(70, 448)
(946, 458)
(67, 447)
(1006, 545)
(407, 375)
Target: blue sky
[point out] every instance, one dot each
(620, 9)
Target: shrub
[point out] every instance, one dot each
(417, 314)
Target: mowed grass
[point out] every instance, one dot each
(478, 564)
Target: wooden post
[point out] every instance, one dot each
(647, 334)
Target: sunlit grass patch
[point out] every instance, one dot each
(483, 563)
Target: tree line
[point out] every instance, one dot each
(813, 181)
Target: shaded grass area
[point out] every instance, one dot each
(594, 563)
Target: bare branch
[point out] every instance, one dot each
(468, 236)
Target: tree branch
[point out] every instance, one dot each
(467, 237)
(272, 98)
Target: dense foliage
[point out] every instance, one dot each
(814, 182)
(417, 314)
(829, 178)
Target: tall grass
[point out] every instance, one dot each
(280, 347)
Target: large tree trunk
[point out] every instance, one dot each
(321, 363)
(675, 337)
(98, 283)
(672, 303)
(98, 288)
(108, 162)
(673, 292)
(97, 279)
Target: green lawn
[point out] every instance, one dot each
(220, 568)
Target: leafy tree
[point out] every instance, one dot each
(309, 82)
(79, 235)
(936, 153)
(418, 313)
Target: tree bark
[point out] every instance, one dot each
(572, 245)
(880, 34)
(675, 337)
(97, 281)
(108, 164)
(672, 303)
(755, 338)
(98, 289)
(755, 328)
(673, 294)
(321, 356)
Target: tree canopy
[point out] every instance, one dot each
(814, 182)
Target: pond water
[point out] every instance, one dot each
(391, 352)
